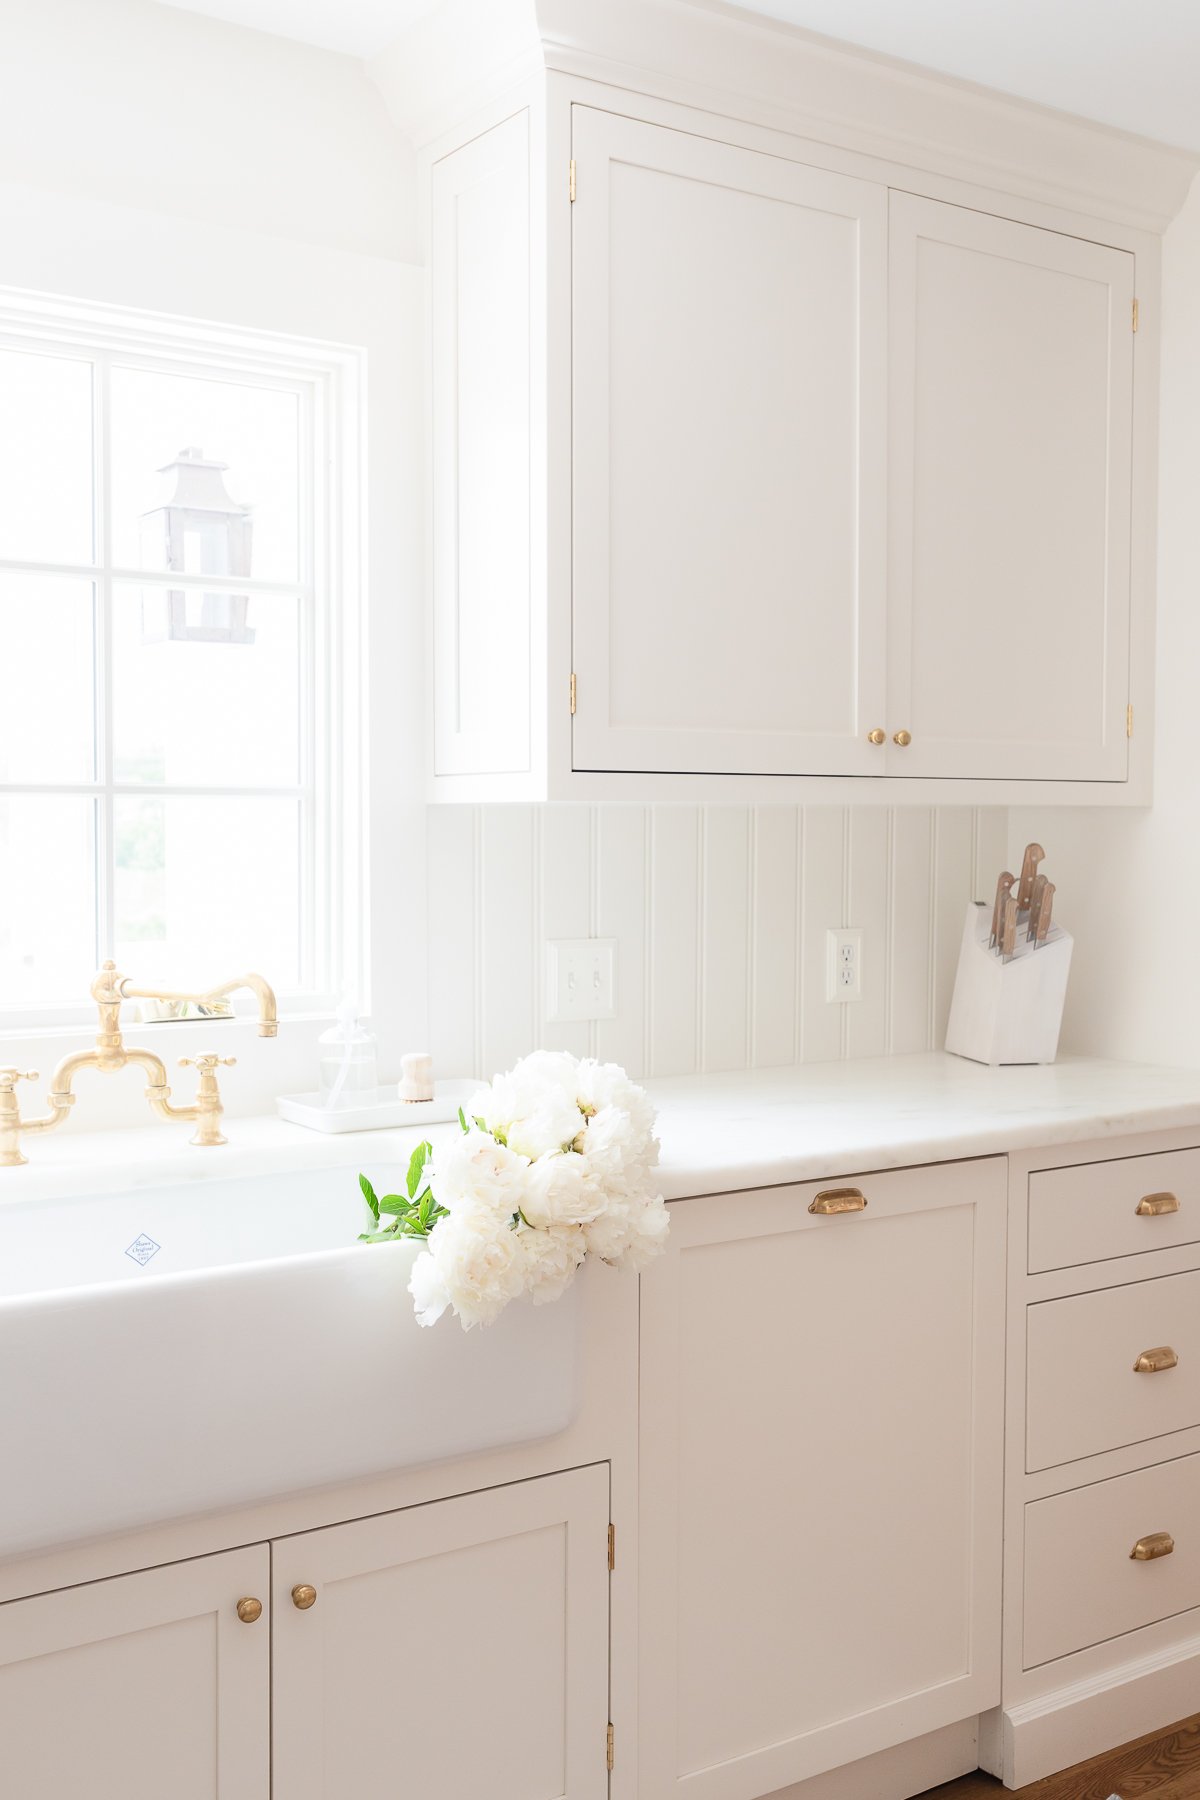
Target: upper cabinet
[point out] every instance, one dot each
(1011, 374)
(767, 468)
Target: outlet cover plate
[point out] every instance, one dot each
(844, 966)
(581, 980)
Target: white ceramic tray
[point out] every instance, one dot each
(377, 1109)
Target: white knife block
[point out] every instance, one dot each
(1007, 1012)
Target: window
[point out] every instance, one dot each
(178, 657)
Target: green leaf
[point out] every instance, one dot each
(368, 1194)
(393, 1203)
(420, 1157)
(462, 1119)
(387, 1236)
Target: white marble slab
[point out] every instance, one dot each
(719, 1133)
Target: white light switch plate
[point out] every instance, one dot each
(581, 980)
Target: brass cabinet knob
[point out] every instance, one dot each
(903, 738)
(249, 1609)
(877, 736)
(1149, 1549)
(1151, 1362)
(304, 1596)
(838, 1200)
(1153, 1206)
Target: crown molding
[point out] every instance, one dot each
(741, 65)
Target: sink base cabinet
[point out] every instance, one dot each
(140, 1687)
(821, 1452)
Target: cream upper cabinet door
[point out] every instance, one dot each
(140, 1687)
(729, 446)
(1011, 371)
(453, 1650)
(821, 1451)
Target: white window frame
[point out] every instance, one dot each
(330, 381)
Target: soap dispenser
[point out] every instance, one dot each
(348, 1061)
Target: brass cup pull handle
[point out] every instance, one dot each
(903, 738)
(1151, 1362)
(249, 1610)
(304, 1596)
(1149, 1549)
(838, 1200)
(1153, 1206)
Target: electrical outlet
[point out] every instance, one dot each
(581, 980)
(843, 978)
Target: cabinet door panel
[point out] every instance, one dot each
(454, 1649)
(1011, 371)
(821, 1442)
(728, 343)
(139, 1687)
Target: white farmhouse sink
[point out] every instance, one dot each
(169, 1350)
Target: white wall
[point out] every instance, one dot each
(190, 167)
(1129, 883)
(720, 915)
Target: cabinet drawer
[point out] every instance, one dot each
(1082, 1585)
(1084, 1393)
(1090, 1212)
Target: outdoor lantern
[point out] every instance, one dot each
(202, 530)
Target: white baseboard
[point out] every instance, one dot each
(1084, 1719)
(899, 1773)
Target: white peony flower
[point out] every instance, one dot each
(472, 1169)
(479, 1263)
(554, 1123)
(430, 1294)
(551, 1259)
(558, 1191)
(537, 1081)
(629, 1233)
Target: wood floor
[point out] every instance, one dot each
(1166, 1766)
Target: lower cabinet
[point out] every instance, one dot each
(451, 1650)
(144, 1686)
(821, 1472)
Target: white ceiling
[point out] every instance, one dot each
(1132, 63)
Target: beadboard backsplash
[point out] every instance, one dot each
(720, 915)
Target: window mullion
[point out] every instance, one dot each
(106, 869)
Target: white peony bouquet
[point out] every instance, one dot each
(554, 1162)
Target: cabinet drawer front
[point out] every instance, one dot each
(1090, 1212)
(1083, 1586)
(1085, 1394)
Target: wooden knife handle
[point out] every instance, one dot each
(1034, 854)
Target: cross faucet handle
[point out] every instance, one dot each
(9, 1077)
(207, 1064)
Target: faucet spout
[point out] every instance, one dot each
(268, 1011)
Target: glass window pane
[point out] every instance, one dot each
(47, 679)
(47, 898)
(207, 887)
(45, 458)
(206, 688)
(205, 475)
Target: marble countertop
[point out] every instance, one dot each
(756, 1128)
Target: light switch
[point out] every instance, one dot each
(581, 980)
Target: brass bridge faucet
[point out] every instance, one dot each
(110, 1055)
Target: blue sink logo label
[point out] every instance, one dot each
(142, 1249)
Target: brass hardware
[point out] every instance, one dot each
(903, 738)
(572, 693)
(571, 188)
(1153, 1206)
(249, 1610)
(1149, 1549)
(1135, 315)
(1129, 720)
(877, 736)
(838, 1200)
(111, 1054)
(610, 1750)
(304, 1596)
(1152, 1362)
(612, 1547)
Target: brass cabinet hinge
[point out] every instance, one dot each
(573, 690)
(1129, 720)
(610, 1749)
(1135, 304)
(571, 191)
(612, 1547)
